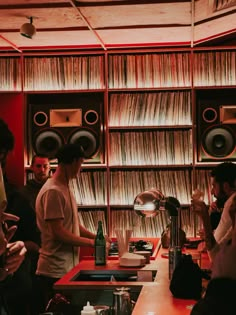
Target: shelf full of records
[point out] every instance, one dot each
(159, 108)
(10, 74)
(151, 227)
(149, 70)
(203, 183)
(155, 147)
(64, 73)
(90, 219)
(214, 68)
(90, 188)
(126, 184)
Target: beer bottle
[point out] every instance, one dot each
(100, 246)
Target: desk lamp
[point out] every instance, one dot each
(149, 204)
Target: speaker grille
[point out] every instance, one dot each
(47, 142)
(218, 142)
(87, 139)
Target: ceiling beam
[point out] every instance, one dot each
(124, 2)
(10, 43)
(88, 24)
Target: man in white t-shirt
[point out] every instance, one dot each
(57, 219)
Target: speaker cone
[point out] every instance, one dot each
(218, 142)
(87, 140)
(47, 142)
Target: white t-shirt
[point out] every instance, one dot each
(56, 201)
(224, 263)
(222, 234)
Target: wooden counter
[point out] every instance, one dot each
(154, 297)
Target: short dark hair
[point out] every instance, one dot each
(225, 173)
(6, 137)
(70, 152)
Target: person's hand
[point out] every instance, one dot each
(108, 239)
(108, 243)
(199, 207)
(201, 234)
(5, 232)
(213, 207)
(9, 232)
(13, 258)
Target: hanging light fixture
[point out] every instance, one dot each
(28, 29)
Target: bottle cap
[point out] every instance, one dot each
(88, 307)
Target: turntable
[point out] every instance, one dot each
(139, 245)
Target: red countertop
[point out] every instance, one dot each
(154, 298)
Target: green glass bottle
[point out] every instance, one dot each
(100, 246)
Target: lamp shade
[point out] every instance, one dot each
(28, 30)
(147, 203)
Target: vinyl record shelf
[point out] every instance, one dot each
(152, 124)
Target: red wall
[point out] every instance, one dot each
(12, 112)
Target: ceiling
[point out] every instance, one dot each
(72, 24)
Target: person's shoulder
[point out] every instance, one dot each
(232, 196)
(50, 185)
(229, 201)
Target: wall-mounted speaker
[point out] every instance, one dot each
(216, 127)
(52, 125)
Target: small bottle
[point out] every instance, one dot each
(88, 310)
(100, 246)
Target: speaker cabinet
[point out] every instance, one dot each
(52, 125)
(216, 131)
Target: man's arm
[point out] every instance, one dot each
(232, 213)
(86, 233)
(200, 208)
(61, 234)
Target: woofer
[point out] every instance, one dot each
(218, 142)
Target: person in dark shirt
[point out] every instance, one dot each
(22, 204)
(219, 298)
(40, 167)
(22, 300)
(12, 254)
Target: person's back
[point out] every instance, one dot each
(219, 298)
